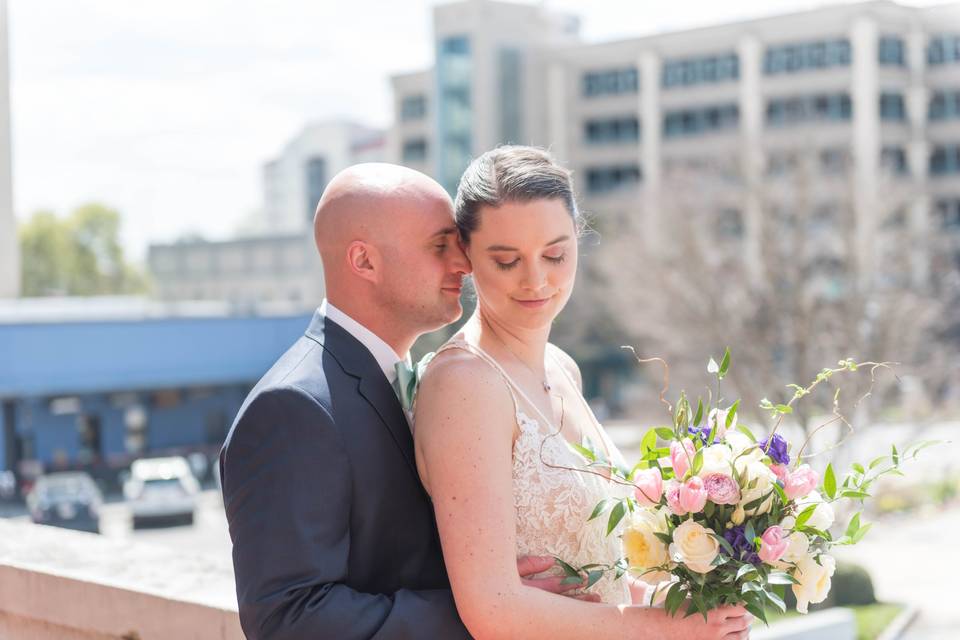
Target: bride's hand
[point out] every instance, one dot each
(532, 565)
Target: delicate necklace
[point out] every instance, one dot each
(546, 385)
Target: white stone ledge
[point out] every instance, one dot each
(830, 624)
(69, 585)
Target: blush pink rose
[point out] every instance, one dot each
(801, 482)
(781, 472)
(721, 489)
(672, 493)
(693, 495)
(681, 456)
(772, 545)
(649, 483)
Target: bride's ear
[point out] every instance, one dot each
(363, 259)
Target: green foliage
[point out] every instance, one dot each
(78, 255)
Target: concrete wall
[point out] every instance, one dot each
(67, 585)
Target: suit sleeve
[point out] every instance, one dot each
(287, 494)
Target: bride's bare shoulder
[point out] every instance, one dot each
(460, 380)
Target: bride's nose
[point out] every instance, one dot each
(534, 276)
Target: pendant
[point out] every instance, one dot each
(547, 387)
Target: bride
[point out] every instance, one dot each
(495, 411)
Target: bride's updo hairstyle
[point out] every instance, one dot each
(511, 174)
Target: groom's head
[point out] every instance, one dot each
(391, 256)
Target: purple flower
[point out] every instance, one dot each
(743, 549)
(776, 448)
(702, 432)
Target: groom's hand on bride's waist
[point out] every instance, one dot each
(532, 565)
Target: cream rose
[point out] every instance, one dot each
(737, 441)
(797, 547)
(755, 472)
(643, 548)
(717, 458)
(823, 517)
(694, 547)
(814, 580)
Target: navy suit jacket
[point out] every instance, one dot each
(333, 534)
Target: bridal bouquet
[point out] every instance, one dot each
(721, 516)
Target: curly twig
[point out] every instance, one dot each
(666, 375)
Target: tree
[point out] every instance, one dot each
(76, 256)
(787, 291)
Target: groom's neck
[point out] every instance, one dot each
(378, 321)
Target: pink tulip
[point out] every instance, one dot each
(681, 456)
(721, 489)
(693, 495)
(772, 545)
(801, 482)
(672, 492)
(649, 483)
(781, 472)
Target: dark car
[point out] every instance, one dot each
(70, 499)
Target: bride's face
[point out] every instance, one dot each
(524, 257)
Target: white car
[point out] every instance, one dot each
(161, 490)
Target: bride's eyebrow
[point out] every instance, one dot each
(502, 247)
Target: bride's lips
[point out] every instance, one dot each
(532, 304)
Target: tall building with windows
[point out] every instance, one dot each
(275, 261)
(872, 90)
(9, 247)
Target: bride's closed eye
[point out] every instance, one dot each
(506, 266)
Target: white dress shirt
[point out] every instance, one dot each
(384, 354)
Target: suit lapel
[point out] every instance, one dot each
(357, 361)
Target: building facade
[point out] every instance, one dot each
(871, 90)
(275, 261)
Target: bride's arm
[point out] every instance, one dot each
(464, 439)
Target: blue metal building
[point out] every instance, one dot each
(94, 383)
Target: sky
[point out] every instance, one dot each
(166, 110)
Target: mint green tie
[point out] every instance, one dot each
(408, 379)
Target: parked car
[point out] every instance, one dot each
(161, 490)
(68, 499)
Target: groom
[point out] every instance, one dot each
(333, 534)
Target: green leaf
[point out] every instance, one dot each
(665, 538)
(854, 525)
(665, 433)
(697, 462)
(745, 431)
(723, 543)
(858, 468)
(749, 533)
(567, 569)
(724, 364)
(649, 441)
(830, 482)
(784, 408)
(780, 577)
(592, 577)
(699, 415)
(600, 508)
(571, 580)
(732, 413)
(753, 504)
(896, 455)
(804, 516)
(856, 495)
(712, 366)
(616, 515)
(583, 451)
(675, 597)
(877, 461)
(862, 531)
(775, 600)
(744, 570)
(757, 611)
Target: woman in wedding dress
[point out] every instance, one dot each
(495, 411)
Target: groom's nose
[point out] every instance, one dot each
(458, 260)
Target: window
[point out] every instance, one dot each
(611, 82)
(894, 160)
(795, 58)
(413, 108)
(414, 150)
(693, 71)
(892, 107)
(799, 109)
(891, 51)
(943, 49)
(944, 105)
(945, 159)
(703, 120)
(947, 215)
(612, 130)
(730, 224)
(606, 179)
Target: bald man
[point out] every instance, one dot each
(333, 534)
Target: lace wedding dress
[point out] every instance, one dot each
(553, 504)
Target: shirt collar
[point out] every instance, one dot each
(384, 354)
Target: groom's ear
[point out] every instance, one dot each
(363, 260)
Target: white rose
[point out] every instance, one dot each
(813, 580)
(823, 517)
(737, 440)
(694, 547)
(643, 548)
(717, 458)
(797, 547)
(762, 477)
